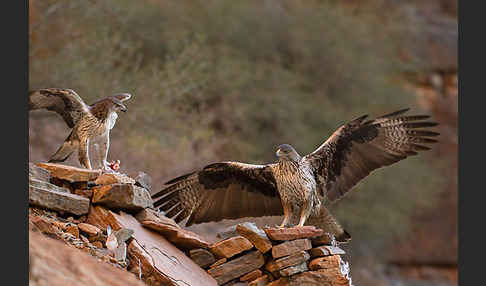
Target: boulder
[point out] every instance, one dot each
(289, 271)
(50, 196)
(70, 173)
(202, 257)
(255, 235)
(122, 197)
(291, 247)
(292, 233)
(286, 261)
(229, 247)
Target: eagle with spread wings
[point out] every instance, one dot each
(87, 121)
(299, 187)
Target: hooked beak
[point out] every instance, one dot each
(123, 108)
(278, 153)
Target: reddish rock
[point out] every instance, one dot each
(74, 230)
(43, 225)
(113, 178)
(122, 197)
(89, 229)
(231, 246)
(251, 275)
(326, 262)
(202, 257)
(51, 263)
(326, 250)
(292, 233)
(286, 261)
(237, 267)
(255, 235)
(84, 193)
(154, 216)
(218, 262)
(182, 238)
(322, 277)
(69, 173)
(284, 281)
(49, 196)
(289, 271)
(260, 281)
(291, 247)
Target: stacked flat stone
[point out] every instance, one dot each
(252, 256)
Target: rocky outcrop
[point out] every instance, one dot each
(125, 234)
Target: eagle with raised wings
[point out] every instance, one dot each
(87, 121)
(299, 187)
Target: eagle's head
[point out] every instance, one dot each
(287, 152)
(117, 100)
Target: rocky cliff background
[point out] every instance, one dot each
(219, 80)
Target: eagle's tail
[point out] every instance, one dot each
(66, 149)
(328, 223)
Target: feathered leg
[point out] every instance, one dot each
(287, 215)
(83, 154)
(105, 145)
(324, 220)
(65, 150)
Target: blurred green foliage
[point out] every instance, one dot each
(230, 80)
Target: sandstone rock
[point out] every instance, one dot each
(43, 225)
(51, 263)
(202, 257)
(34, 183)
(237, 267)
(89, 229)
(326, 262)
(255, 235)
(55, 198)
(152, 215)
(113, 178)
(325, 250)
(74, 230)
(69, 173)
(149, 253)
(251, 275)
(260, 281)
(284, 281)
(286, 261)
(292, 233)
(231, 246)
(294, 269)
(290, 247)
(84, 193)
(144, 180)
(182, 238)
(321, 277)
(218, 262)
(38, 173)
(122, 196)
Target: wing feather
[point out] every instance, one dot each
(65, 102)
(226, 190)
(356, 149)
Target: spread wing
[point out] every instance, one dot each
(65, 102)
(226, 190)
(357, 148)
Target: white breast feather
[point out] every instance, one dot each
(112, 120)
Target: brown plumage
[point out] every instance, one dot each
(86, 121)
(297, 187)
